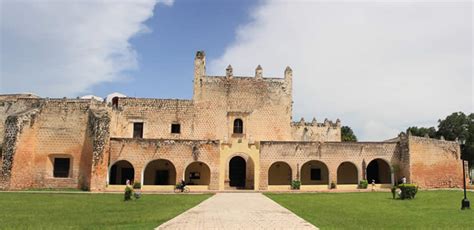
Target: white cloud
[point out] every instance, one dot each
(379, 66)
(62, 48)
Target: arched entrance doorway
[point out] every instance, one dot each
(237, 172)
(159, 172)
(120, 172)
(197, 173)
(314, 173)
(347, 173)
(379, 170)
(279, 174)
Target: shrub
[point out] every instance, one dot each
(128, 193)
(363, 184)
(178, 186)
(394, 191)
(137, 185)
(295, 184)
(333, 185)
(137, 195)
(408, 191)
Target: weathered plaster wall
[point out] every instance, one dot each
(59, 130)
(435, 163)
(96, 157)
(16, 163)
(157, 116)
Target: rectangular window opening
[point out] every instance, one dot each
(138, 130)
(315, 174)
(195, 175)
(61, 167)
(175, 128)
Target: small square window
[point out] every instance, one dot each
(138, 130)
(61, 167)
(175, 128)
(315, 174)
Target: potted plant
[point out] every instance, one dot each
(295, 184)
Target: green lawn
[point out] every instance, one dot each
(377, 210)
(91, 211)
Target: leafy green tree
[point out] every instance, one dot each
(347, 134)
(422, 131)
(459, 125)
(456, 125)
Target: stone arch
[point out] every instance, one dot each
(279, 173)
(314, 172)
(121, 171)
(197, 173)
(347, 173)
(159, 172)
(379, 170)
(249, 171)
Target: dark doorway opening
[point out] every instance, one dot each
(120, 172)
(379, 171)
(373, 172)
(127, 174)
(237, 167)
(162, 177)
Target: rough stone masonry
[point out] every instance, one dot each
(237, 132)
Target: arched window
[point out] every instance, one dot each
(115, 101)
(238, 126)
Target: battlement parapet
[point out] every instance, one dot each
(314, 123)
(17, 96)
(152, 102)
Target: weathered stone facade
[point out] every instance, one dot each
(236, 132)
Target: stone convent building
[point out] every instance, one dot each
(235, 133)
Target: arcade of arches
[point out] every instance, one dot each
(240, 172)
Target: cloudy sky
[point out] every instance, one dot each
(379, 66)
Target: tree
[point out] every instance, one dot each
(347, 134)
(456, 125)
(459, 125)
(422, 131)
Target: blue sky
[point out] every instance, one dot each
(166, 53)
(379, 65)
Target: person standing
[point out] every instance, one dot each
(404, 180)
